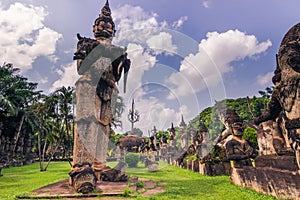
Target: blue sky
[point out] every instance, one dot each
(185, 54)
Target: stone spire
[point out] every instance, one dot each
(182, 123)
(172, 129)
(104, 26)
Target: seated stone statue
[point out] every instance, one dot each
(238, 149)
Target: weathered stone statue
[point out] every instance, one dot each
(278, 174)
(284, 107)
(100, 65)
(202, 141)
(184, 137)
(172, 142)
(238, 149)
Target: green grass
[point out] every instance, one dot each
(185, 184)
(181, 183)
(21, 180)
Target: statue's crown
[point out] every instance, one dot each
(108, 29)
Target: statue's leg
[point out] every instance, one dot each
(297, 153)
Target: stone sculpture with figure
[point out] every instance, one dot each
(100, 65)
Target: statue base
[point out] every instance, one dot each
(116, 174)
(208, 168)
(83, 178)
(272, 175)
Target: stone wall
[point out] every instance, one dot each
(209, 169)
(272, 175)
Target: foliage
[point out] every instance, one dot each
(118, 111)
(191, 157)
(32, 121)
(132, 159)
(266, 94)
(113, 139)
(160, 135)
(250, 134)
(139, 184)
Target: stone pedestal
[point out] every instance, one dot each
(214, 169)
(83, 178)
(273, 175)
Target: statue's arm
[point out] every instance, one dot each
(273, 112)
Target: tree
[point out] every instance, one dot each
(118, 111)
(17, 95)
(266, 94)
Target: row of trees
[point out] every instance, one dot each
(33, 124)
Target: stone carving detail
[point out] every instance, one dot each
(238, 149)
(83, 178)
(100, 65)
(284, 107)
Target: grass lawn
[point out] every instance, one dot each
(181, 183)
(185, 184)
(20, 180)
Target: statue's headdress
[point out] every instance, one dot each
(104, 25)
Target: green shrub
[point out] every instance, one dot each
(191, 157)
(251, 135)
(140, 184)
(132, 159)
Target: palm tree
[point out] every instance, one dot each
(118, 110)
(65, 118)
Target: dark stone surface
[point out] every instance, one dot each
(278, 162)
(209, 169)
(266, 178)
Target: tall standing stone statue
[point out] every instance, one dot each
(100, 65)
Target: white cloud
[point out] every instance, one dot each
(24, 35)
(68, 76)
(135, 26)
(162, 43)
(265, 79)
(144, 37)
(140, 27)
(178, 24)
(206, 3)
(206, 68)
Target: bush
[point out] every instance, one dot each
(132, 159)
(251, 135)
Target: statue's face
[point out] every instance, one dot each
(103, 29)
(237, 129)
(289, 53)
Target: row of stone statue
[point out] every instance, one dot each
(100, 65)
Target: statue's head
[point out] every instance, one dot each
(288, 60)
(104, 27)
(228, 116)
(237, 129)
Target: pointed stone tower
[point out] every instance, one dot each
(184, 136)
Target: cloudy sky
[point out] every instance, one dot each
(185, 54)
